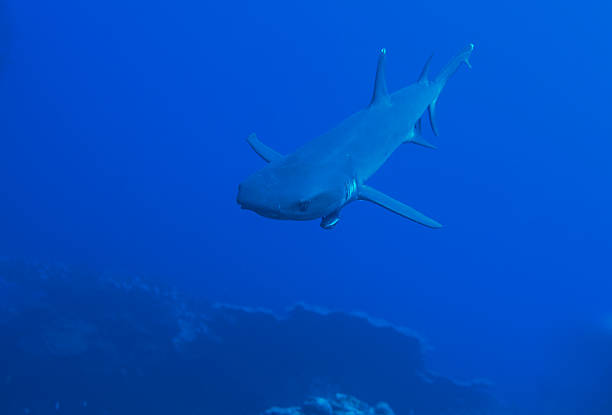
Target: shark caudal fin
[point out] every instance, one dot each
(454, 64)
(443, 76)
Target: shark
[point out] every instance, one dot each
(329, 172)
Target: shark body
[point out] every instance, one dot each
(330, 171)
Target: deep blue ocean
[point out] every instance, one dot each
(131, 282)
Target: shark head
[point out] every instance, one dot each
(288, 192)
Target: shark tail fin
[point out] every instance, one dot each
(444, 75)
(454, 64)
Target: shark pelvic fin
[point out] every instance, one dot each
(416, 136)
(263, 150)
(424, 77)
(380, 94)
(372, 195)
(330, 221)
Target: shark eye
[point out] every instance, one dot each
(303, 205)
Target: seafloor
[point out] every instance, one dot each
(77, 342)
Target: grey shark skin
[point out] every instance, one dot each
(329, 172)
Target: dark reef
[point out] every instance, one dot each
(105, 345)
(339, 404)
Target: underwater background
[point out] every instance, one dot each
(132, 282)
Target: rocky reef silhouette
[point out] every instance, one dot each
(101, 344)
(340, 404)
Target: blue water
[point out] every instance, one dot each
(122, 144)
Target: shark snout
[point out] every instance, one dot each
(251, 198)
(255, 199)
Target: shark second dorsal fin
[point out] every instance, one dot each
(424, 78)
(380, 94)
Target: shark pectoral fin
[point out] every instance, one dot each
(372, 195)
(263, 150)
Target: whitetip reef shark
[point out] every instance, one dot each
(329, 172)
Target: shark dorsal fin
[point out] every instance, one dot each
(380, 94)
(424, 78)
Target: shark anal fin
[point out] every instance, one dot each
(418, 128)
(263, 150)
(432, 116)
(372, 195)
(380, 95)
